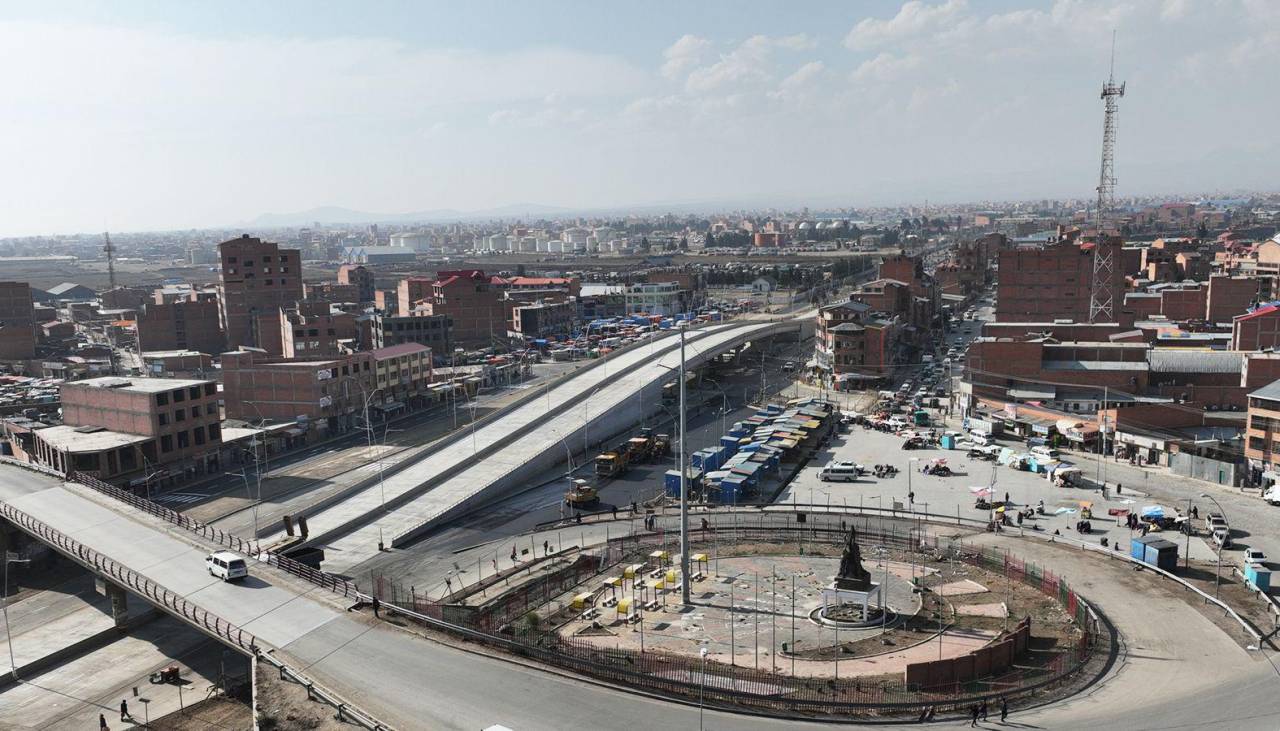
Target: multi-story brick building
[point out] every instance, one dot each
(411, 291)
(1262, 434)
(854, 345)
(1051, 282)
(257, 277)
(360, 277)
(331, 292)
(181, 325)
(1257, 330)
(543, 319)
(17, 322)
(130, 429)
(326, 395)
(433, 331)
(471, 299)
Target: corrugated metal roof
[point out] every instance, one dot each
(1271, 392)
(1180, 360)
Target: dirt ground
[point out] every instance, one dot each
(283, 706)
(215, 713)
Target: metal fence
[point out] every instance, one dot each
(497, 623)
(169, 601)
(220, 537)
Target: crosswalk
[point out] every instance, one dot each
(179, 498)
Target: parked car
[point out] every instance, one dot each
(1254, 557)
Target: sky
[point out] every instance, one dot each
(131, 115)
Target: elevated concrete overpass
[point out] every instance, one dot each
(499, 456)
(1181, 672)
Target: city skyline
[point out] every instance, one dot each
(153, 118)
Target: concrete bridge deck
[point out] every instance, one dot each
(495, 460)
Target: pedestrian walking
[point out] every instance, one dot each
(982, 710)
(376, 605)
(102, 722)
(1119, 488)
(546, 548)
(973, 716)
(124, 710)
(1004, 709)
(615, 512)
(513, 553)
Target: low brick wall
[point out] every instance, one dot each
(984, 662)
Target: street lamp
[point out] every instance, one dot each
(702, 685)
(13, 665)
(724, 406)
(1217, 576)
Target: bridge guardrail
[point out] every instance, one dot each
(220, 537)
(160, 596)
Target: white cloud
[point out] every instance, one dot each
(913, 19)
(804, 75)
(751, 62)
(683, 55)
(884, 67)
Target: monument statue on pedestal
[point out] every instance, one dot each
(852, 576)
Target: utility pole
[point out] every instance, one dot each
(110, 251)
(684, 487)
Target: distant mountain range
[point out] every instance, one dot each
(337, 215)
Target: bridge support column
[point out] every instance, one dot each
(119, 601)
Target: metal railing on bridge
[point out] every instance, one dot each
(170, 601)
(222, 538)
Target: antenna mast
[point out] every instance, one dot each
(110, 251)
(1102, 297)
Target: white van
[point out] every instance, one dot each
(1045, 452)
(840, 472)
(226, 565)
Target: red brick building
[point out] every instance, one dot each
(854, 345)
(257, 277)
(17, 322)
(1051, 282)
(472, 300)
(184, 325)
(361, 278)
(122, 428)
(1257, 330)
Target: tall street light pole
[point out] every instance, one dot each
(13, 666)
(684, 486)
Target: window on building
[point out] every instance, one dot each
(215, 432)
(163, 418)
(184, 440)
(231, 260)
(162, 399)
(284, 259)
(180, 415)
(194, 392)
(179, 396)
(166, 443)
(199, 435)
(248, 275)
(268, 282)
(210, 389)
(211, 409)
